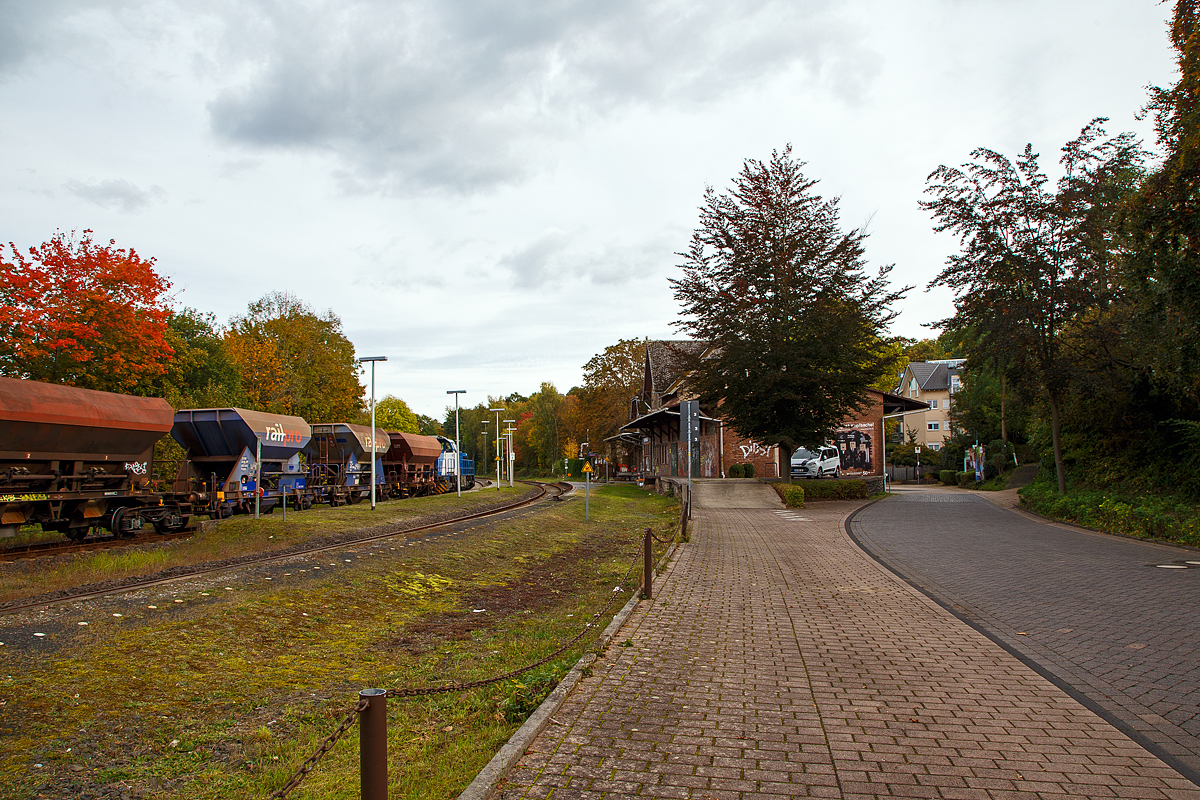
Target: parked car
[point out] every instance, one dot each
(816, 463)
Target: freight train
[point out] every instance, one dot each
(74, 460)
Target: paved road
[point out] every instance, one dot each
(778, 660)
(1095, 611)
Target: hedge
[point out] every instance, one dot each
(791, 494)
(948, 477)
(737, 471)
(852, 489)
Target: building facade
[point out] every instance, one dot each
(932, 383)
(656, 424)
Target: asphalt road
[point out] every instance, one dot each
(1110, 619)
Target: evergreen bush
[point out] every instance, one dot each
(749, 470)
(737, 471)
(948, 477)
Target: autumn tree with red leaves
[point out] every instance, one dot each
(83, 314)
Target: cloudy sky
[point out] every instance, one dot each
(488, 192)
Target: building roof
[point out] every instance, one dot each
(931, 376)
(666, 365)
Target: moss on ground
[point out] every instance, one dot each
(223, 694)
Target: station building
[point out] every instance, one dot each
(655, 426)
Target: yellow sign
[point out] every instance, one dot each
(587, 467)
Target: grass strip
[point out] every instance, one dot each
(225, 693)
(235, 537)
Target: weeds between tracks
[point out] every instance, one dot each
(223, 699)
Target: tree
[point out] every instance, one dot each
(781, 294)
(1032, 262)
(611, 380)
(83, 314)
(200, 373)
(293, 361)
(393, 414)
(1165, 222)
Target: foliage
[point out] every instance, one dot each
(791, 494)
(777, 289)
(526, 693)
(393, 414)
(1165, 221)
(200, 373)
(429, 426)
(611, 381)
(83, 314)
(737, 471)
(825, 489)
(1165, 516)
(294, 361)
(747, 469)
(902, 455)
(948, 477)
(1033, 260)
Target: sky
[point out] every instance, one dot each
(490, 193)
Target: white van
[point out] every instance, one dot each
(816, 463)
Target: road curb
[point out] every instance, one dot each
(487, 782)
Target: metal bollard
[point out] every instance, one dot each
(647, 571)
(372, 745)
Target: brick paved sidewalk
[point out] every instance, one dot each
(779, 661)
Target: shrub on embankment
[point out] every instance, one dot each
(791, 494)
(824, 489)
(1142, 516)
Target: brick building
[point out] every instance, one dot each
(656, 423)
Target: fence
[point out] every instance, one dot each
(371, 709)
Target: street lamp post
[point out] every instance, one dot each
(457, 438)
(372, 359)
(511, 453)
(497, 410)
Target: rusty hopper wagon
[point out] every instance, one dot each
(224, 445)
(410, 464)
(75, 459)
(339, 464)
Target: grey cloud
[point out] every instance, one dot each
(32, 28)
(119, 194)
(554, 258)
(464, 95)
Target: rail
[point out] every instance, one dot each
(371, 709)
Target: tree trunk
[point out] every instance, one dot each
(1003, 427)
(785, 456)
(1054, 431)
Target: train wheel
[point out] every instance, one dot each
(353, 498)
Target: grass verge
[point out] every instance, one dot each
(234, 538)
(214, 692)
(1142, 516)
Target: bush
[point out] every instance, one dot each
(749, 470)
(1143, 516)
(948, 477)
(965, 479)
(853, 489)
(791, 494)
(737, 471)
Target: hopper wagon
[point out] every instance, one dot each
(73, 460)
(240, 458)
(339, 462)
(410, 464)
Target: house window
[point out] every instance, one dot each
(912, 388)
(935, 426)
(934, 446)
(933, 403)
(946, 404)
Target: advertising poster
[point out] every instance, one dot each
(854, 444)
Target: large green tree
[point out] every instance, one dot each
(783, 296)
(295, 361)
(1035, 258)
(1165, 222)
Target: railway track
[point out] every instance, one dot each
(547, 490)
